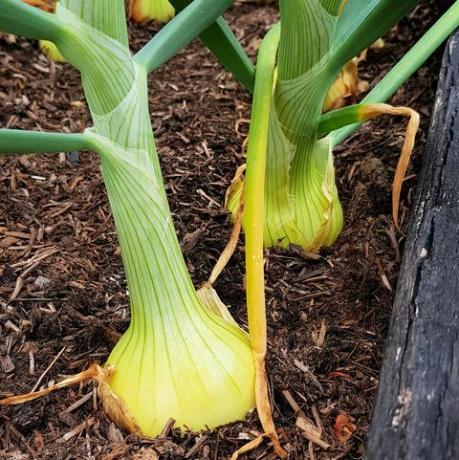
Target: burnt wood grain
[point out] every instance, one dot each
(416, 416)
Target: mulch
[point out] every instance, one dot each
(63, 297)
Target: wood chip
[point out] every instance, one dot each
(302, 367)
(167, 428)
(293, 404)
(79, 428)
(17, 288)
(343, 428)
(311, 432)
(319, 337)
(20, 235)
(199, 443)
(79, 403)
(114, 434)
(119, 449)
(6, 364)
(317, 420)
(383, 275)
(8, 241)
(146, 454)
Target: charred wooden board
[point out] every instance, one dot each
(417, 409)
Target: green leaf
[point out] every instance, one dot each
(280, 224)
(15, 141)
(307, 31)
(361, 24)
(108, 16)
(336, 119)
(224, 45)
(105, 64)
(306, 35)
(180, 31)
(407, 66)
(18, 18)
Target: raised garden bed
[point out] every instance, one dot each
(328, 317)
(416, 414)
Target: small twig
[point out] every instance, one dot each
(31, 362)
(42, 376)
(79, 428)
(319, 337)
(311, 432)
(6, 364)
(167, 428)
(316, 415)
(35, 261)
(199, 443)
(79, 403)
(10, 325)
(293, 404)
(311, 450)
(382, 274)
(95, 402)
(309, 373)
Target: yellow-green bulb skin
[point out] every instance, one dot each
(301, 209)
(152, 10)
(51, 50)
(196, 368)
(318, 212)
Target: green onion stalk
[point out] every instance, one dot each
(318, 37)
(256, 171)
(183, 356)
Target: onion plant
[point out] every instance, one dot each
(183, 356)
(318, 38)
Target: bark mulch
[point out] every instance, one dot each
(63, 300)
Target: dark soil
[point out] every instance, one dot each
(60, 262)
